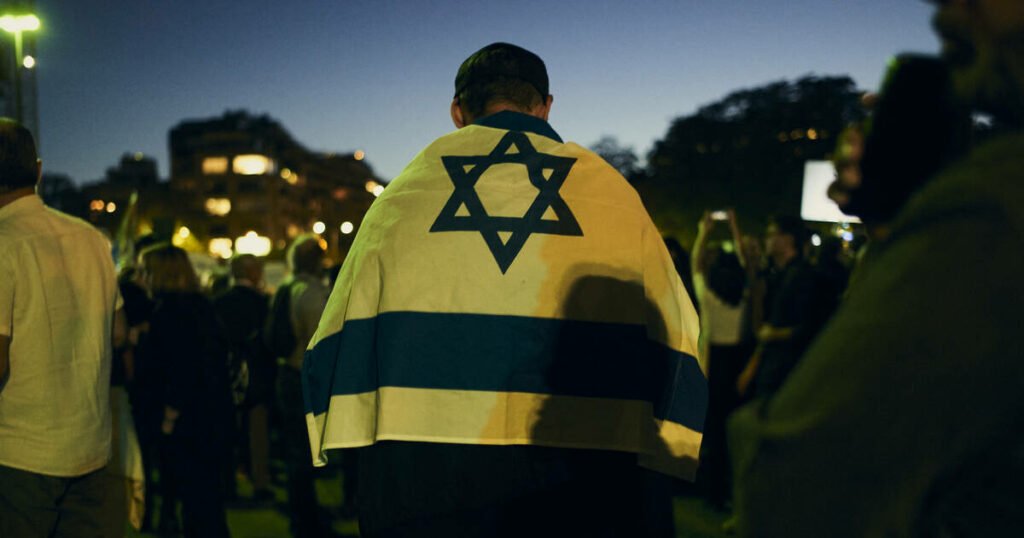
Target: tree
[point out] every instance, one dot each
(59, 192)
(746, 151)
(621, 158)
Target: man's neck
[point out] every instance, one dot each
(245, 282)
(16, 194)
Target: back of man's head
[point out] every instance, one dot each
(501, 73)
(246, 268)
(305, 255)
(792, 226)
(18, 160)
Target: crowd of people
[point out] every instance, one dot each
(555, 374)
(214, 379)
(759, 310)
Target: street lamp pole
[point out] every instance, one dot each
(16, 24)
(17, 76)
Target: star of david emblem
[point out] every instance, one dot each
(546, 172)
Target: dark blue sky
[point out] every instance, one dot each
(115, 76)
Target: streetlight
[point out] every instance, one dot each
(16, 24)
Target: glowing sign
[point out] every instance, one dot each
(815, 204)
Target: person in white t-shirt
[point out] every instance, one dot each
(60, 317)
(721, 282)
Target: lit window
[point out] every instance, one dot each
(220, 247)
(218, 206)
(371, 185)
(253, 243)
(252, 165)
(215, 165)
(378, 190)
(111, 207)
(358, 155)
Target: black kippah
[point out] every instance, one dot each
(502, 61)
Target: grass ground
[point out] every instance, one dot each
(693, 516)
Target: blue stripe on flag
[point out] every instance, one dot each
(505, 353)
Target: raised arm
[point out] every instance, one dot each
(698, 262)
(737, 238)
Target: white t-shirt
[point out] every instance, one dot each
(58, 294)
(721, 323)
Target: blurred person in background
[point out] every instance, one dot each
(791, 315)
(127, 465)
(832, 269)
(60, 318)
(144, 382)
(187, 345)
(243, 308)
(306, 294)
(720, 282)
(905, 416)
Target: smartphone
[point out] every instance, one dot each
(721, 214)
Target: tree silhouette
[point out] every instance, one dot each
(746, 151)
(59, 192)
(622, 158)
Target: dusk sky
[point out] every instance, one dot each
(340, 76)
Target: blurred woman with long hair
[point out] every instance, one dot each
(187, 348)
(721, 282)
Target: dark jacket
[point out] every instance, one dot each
(244, 312)
(187, 348)
(905, 416)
